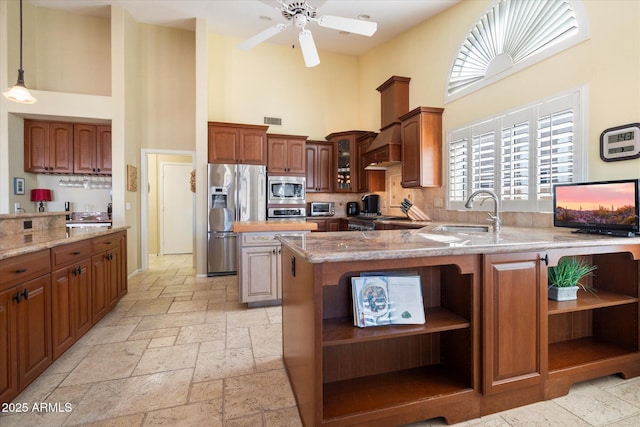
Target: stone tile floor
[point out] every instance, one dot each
(179, 350)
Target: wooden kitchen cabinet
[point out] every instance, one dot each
(25, 321)
(286, 155)
(46, 303)
(91, 149)
(106, 274)
(237, 143)
(327, 224)
(514, 325)
(48, 147)
(421, 131)
(346, 161)
(260, 267)
(71, 294)
(319, 166)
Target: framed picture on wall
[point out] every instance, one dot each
(132, 178)
(18, 185)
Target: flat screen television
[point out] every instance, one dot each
(604, 207)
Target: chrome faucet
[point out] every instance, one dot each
(495, 218)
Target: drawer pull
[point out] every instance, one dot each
(75, 253)
(21, 270)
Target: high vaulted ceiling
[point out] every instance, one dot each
(245, 18)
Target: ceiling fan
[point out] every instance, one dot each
(300, 13)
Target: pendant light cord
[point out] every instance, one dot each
(20, 70)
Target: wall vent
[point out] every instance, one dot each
(273, 121)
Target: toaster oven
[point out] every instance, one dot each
(321, 209)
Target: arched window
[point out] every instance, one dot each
(512, 35)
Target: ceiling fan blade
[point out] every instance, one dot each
(308, 48)
(260, 37)
(356, 26)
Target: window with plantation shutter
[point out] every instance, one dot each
(458, 170)
(513, 35)
(520, 154)
(483, 159)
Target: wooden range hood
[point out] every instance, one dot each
(385, 150)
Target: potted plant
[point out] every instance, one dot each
(564, 279)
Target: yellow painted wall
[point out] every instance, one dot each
(272, 80)
(608, 63)
(167, 77)
(62, 52)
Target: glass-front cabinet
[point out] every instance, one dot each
(345, 160)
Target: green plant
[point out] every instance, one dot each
(569, 271)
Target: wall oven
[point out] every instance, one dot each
(286, 190)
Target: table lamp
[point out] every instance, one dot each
(40, 195)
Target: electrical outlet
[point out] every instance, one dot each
(28, 224)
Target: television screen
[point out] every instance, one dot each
(609, 207)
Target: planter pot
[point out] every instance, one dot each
(563, 294)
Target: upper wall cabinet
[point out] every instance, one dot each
(319, 166)
(92, 149)
(237, 143)
(422, 147)
(48, 147)
(54, 147)
(346, 161)
(286, 154)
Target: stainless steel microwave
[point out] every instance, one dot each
(286, 190)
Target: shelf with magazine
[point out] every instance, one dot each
(398, 364)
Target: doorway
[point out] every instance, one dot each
(150, 185)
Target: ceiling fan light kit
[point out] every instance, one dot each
(300, 13)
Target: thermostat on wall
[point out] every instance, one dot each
(620, 143)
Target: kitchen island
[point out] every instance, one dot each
(259, 253)
(492, 340)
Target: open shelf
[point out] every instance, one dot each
(376, 392)
(590, 300)
(340, 331)
(573, 353)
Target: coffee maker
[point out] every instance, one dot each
(370, 204)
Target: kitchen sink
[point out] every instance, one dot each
(461, 228)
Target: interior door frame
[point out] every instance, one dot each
(144, 200)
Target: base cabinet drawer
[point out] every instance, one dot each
(20, 269)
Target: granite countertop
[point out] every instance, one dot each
(22, 243)
(274, 225)
(427, 241)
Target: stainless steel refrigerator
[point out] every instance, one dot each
(236, 193)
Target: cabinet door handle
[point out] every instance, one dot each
(273, 251)
(25, 294)
(21, 270)
(109, 256)
(17, 297)
(546, 259)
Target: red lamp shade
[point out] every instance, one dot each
(40, 195)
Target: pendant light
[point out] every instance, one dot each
(19, 92)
